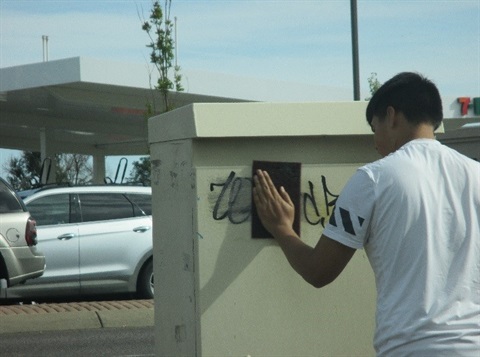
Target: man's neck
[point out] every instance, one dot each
(420, 131)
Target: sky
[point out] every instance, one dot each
(301, 43)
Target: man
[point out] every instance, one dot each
(416, 212)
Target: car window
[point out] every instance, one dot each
(8, 200)
(105, 206)
(48, 210)
(144, 203)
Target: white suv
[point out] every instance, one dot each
(19, 258)
(96, 240)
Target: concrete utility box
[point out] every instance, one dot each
(218, 292)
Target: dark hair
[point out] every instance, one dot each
(410, 93)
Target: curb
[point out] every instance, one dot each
(75, 316)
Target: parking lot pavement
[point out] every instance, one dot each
(75, 315)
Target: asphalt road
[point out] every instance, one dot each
(89, 328)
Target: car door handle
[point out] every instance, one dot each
(66, 236)
(141, 229)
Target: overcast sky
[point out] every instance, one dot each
(298, 41)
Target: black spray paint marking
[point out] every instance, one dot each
(234, 201)
(329, 200)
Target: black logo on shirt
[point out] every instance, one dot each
(346, 220)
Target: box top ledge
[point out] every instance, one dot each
(259, 119)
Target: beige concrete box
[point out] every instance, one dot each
(218, 292)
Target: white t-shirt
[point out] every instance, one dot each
(416, 212)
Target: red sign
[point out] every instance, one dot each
(467, 102)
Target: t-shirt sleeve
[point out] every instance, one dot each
(350, 219)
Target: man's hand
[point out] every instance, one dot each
(320, 265)
(275, 209)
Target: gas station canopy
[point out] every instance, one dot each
(80, 105)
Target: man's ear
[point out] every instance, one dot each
(391, 117)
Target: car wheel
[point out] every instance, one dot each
(145, 281)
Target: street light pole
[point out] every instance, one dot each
(356, 75)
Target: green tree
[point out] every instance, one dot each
(74, 168)
(373, 84)
(24, 172)
(160, 29)
(140, 172)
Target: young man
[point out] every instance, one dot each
(416, 212)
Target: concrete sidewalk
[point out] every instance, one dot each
(76, 315)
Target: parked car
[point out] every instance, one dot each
(19, 257)
(96, 240)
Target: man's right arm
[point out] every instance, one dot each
(319, 266)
